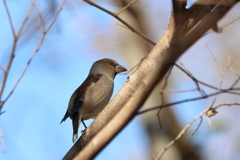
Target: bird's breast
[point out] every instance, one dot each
(97, 96)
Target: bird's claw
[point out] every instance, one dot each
(83, 131)
(95, 115)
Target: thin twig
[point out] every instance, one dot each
(213, 87)
(235, 83)
(229, 60)
(162, 97)
(5, 76)
(170, 91)
(148, 39)
(223, 75)
(121, 20)
(55, 16)
(12, 55)
(185, 70)
(186, 128)
(36, 49)
(187, 100)
(179, 135)
(124, 8)
(228, 24)
(219, 67)
(226, 104)
(153, 43)
(9, 18)
(26, 18)
(40, 17)
(201, 119)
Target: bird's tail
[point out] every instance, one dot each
(75, 137)
(65, 117)
(76, 123)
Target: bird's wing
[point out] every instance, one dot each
(77, 99)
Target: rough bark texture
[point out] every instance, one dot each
(134, 92)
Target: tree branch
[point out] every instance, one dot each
(187, 127)
(15, 39)
(186, 100)
(134, 92)
(33, 54)
(116, 15)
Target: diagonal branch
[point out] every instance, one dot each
(36, 49)
(10, 19)
(188, 125)
(116, 15)
(124, 8)
(158, 61)
(6, 71)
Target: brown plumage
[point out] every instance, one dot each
(90, 98)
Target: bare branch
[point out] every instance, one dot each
(235, 83)
(192, 77)
(36, 50)
(163, 55)
(187, 126)
(121, 20)
(219, 67)
(179, 135)
(201, 119)
(41, 19)
(124, 8)
(169, 91)
(26, 18)
(55, 16)
(162, 97)
(6, 71)
(187, 100)
(9, 18)
(226, 25)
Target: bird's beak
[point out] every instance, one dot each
(120, 68)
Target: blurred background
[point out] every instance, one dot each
(83, 34)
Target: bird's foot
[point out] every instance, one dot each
(83, 131)
(95, 115)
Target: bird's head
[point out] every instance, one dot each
(107, 67)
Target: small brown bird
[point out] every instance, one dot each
(90, 98)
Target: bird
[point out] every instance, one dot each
(90, 98)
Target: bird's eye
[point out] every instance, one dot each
(112, 64)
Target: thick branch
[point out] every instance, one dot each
(135, 90)
(128, 89)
